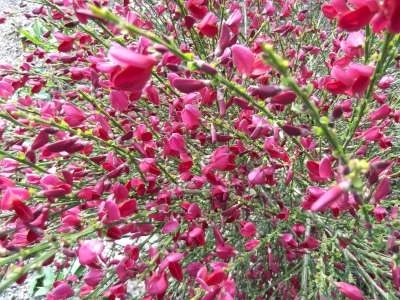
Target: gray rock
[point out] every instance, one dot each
(10, 45)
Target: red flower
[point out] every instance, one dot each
(284, 98)
(350, 291)
(225, 251)
(89, 252)
(261, 175)
(13, 198)
(223, 159)
(157, 284)
(93, 277)
(216, 277)
(243, 59)
(66, 42)
(187, 85)
(61, 291)
(191, 116)
(380, 15)
(149, 165)
(251, 245)
(175, 145)
(170, 226)
(380, 213)
(234, 21)
(380, 113)
(54, 186)
(172, 262)
(325, 168)
(11, 195)
(63, 145)
(356, 19)
(153, 94)
(196, 237)
(294, 130)
(382, 190)
(23, 211)
(352, 79)
(329, 197)
(264, 91)
(73, 115)
(6, 89)
(392, 8)
(288, 241)
(132, 71)
(111, 211)
(208, 25)
(119, 100)
(248, 229)
(198, 8)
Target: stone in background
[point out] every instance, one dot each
(10, 45)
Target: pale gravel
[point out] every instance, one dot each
(11, 53)
(10, 45)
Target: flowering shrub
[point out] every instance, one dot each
(204, 150)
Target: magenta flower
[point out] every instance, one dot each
(208, 26)
(187, 85)
(157, 284)
(197, 8)
(132, 71)
(188, 146)
(93, 277)
(329, 197)
(352, 79)
(243, 59)
(223, 159)
(248, 229)
(73, 115)
(119, 100)
(12, 195)
(6, 89)
(191, 116)
(89, 252)
(382, 190)
(356, 19)
(61, 291)
(350, 291)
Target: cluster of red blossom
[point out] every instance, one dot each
(228, 169)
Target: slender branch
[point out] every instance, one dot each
(357, 117)
(306, 259)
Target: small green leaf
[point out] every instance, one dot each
(35, 40)
(318, 131)
(191, 66)
(324, 120)
(368, 207)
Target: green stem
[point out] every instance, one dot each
(366, 276)
(282, 66)
(19, 271)
(330, 136)
(101, 110)
(23, 161)
(24, 253)
(306, 259)
(367, 44)
(359, 114)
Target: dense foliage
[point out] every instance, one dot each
(203, 150)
